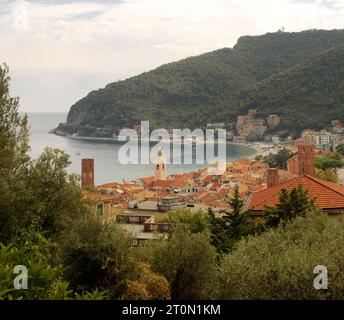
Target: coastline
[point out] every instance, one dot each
(255, 147)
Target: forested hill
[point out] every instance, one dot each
(308, 95)
(216, 86)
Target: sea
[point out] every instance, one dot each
(105, 153)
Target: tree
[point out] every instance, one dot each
(14, 139)
(328, 175)
(228, 229)
(197, 221)
(333, 160)
(293, 203)
(188, 261)
(340, 149)
(279, 264)
(15, 196)
(278, 160)
(44, 282)
(46, 224)
(147, 286)
(97, 255)
(57, 193)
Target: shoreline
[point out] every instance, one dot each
(255, 147)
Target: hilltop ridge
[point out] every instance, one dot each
(219, 85)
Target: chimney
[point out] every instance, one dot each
(272, 178)
(306, 159)
(87, 173)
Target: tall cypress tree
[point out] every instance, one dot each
(231, 227)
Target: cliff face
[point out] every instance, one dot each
(216, 86)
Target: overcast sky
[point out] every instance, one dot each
(59, 50)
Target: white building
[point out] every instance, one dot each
(275, 139)
(322, 139)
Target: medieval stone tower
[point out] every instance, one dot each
(87, 173)
(304, 162)
(306, 159)
(160, 172)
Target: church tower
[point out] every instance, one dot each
(160, 173)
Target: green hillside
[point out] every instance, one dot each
(215, 86)
(309, 95)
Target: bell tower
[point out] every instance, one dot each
(160, 172)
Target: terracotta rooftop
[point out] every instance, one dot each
(258, 165)
(215, 187)
(147, 179)
(96, 196)
(327, 195)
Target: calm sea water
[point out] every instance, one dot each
(107, 166)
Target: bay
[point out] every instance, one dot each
(107, 166)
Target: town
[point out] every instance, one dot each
(139, 206)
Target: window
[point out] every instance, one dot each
(100, 209)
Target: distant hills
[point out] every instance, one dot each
(299, 76)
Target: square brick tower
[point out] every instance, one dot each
(304, 162)
(87, 173)
(306, 159)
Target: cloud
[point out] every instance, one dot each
(77, 46)
(110, 2)
(330, 4)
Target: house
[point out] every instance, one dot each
(273, 120)
(104, 206)
(247, 125)
(141, 226)
(171, 202)
(329, 197)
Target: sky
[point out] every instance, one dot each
(59, 50)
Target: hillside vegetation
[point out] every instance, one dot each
(297, 75)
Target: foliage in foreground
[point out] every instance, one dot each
(188, 261)
(280, 263)
(47, 226)
(227, 230)
(44, 281)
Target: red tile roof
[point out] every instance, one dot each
(97, 196)
(215, 187)
(147, 179)
(327, 195)
(258, 165)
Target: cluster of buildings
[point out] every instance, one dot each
(136, 205)
(329, 197)
(139, 205)
(163, 192)
(324, 139)
(250, 126)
